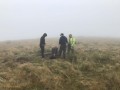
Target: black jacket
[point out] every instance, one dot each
(42, 41)
(63, 40)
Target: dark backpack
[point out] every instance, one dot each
(54, 53)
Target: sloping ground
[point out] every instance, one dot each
(97, 67)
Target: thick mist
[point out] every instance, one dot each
(24, 19)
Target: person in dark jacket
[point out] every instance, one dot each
(42, 44)
(54, 53)
(62, 42)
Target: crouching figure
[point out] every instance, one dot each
(54, 53)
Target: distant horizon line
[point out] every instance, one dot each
(101, 37)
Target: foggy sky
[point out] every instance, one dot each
(24, 19)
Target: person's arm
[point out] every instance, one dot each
(66, 40)
(42, 41)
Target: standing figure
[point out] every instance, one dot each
(71, 44)
(42, 44)
(62, 42)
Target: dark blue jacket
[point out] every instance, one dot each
(63, 40)
(42, 41)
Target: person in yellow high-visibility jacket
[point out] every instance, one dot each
(71, 44)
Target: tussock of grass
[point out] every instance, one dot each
(95, 66)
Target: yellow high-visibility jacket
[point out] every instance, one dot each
(72, 41)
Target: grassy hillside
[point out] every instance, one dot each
(97, 66)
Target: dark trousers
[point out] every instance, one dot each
(62, 51)
(42, 51)
(70, 49)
